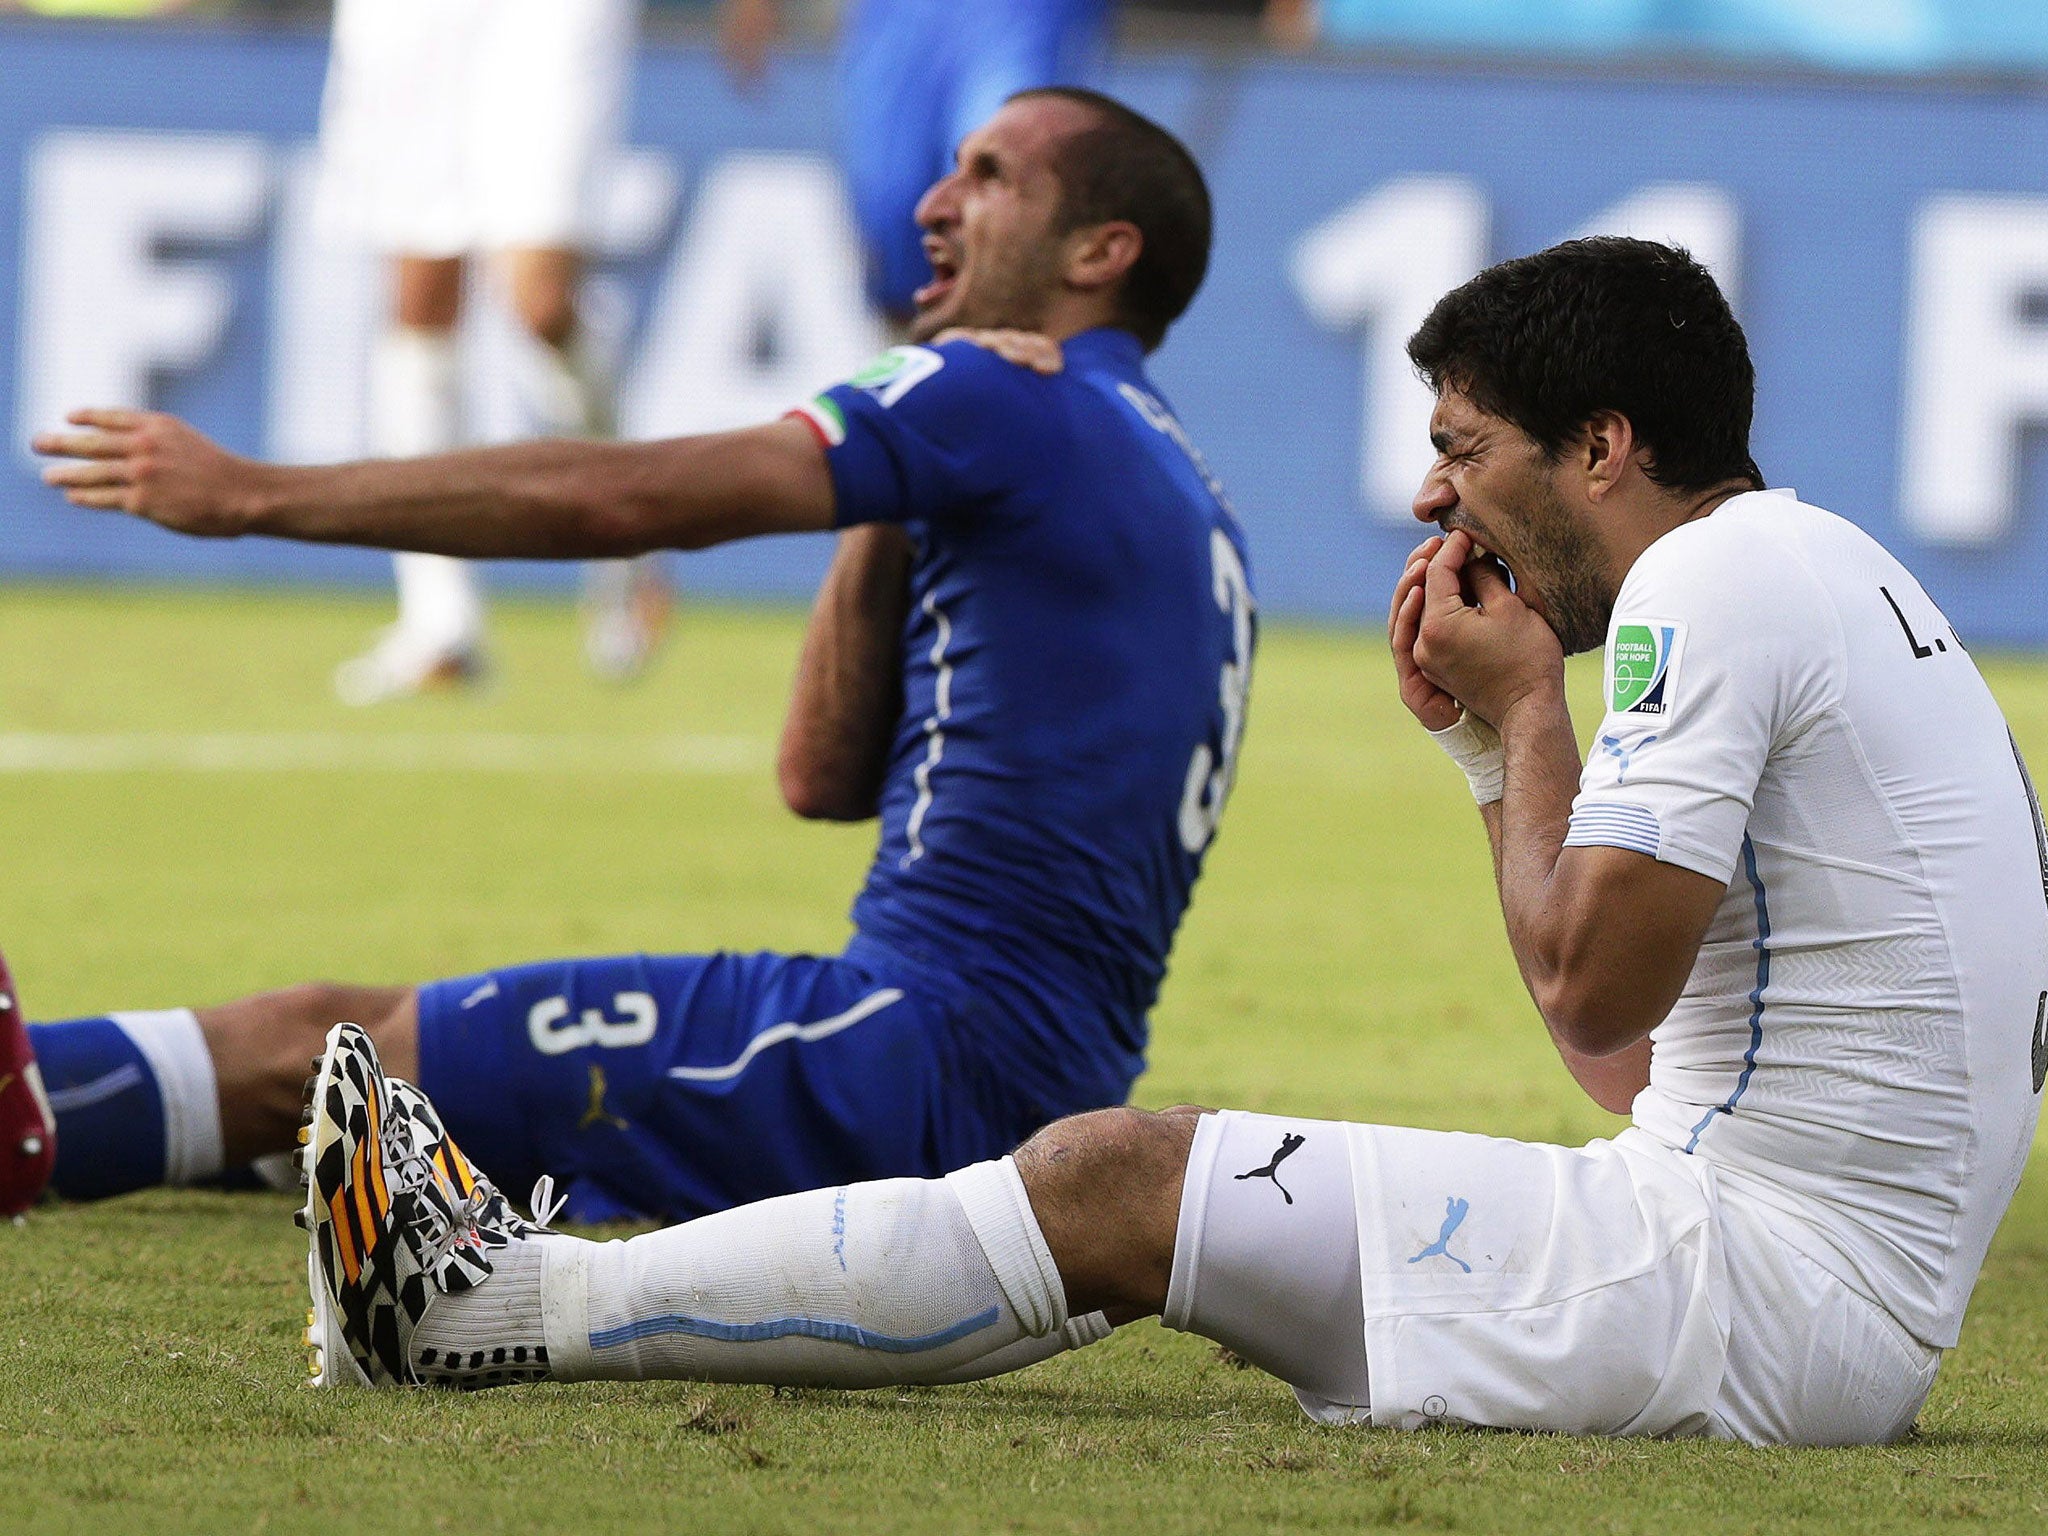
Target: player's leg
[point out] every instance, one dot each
(863, 1284)
(28, 1130)
(416, 408)
(567, 391)
(675, 1085)
(1437, 1277)
(179, 1096)
(549, 113)
(399, 83)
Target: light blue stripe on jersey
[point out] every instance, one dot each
(1606, 824)
(1762, 943)
(785, 1328)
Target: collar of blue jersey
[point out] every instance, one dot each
(1107, 344)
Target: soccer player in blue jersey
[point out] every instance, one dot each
(1030, 658)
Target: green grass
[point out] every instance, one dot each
(1343, 958)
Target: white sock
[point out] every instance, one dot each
(867, 1285)
(1079, 1333)
(416, 408)
(567, 390)
(490, 1336)
(569, 393)
(171, 1042)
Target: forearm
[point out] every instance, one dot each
(536, 500)
(1526, 829)
(849, 686)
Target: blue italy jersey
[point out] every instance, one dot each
(1075, 666)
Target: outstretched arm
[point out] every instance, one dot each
(551, 500)
(1604, 937)
(849, 679)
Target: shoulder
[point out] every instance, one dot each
(955, 380)
(1730, 596)
(1744, 564)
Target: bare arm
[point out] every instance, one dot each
(1604, 937)
(543, 500)
(849, 679)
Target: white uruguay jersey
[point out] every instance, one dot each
(1861, 1042)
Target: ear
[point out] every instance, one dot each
(1099, 255)
(1608, 450)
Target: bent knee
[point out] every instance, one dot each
(1102, 1140)
(1106, 1188)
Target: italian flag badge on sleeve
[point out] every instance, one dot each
(824, 417)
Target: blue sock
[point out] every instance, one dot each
(135, 1102)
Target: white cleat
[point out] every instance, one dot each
(399, 666)
(626, 610)
(395, 1218)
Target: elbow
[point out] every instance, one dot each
(1588, 1019)
(817, 796)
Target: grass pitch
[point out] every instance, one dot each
(185, 815)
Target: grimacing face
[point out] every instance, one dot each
(1493, 481)
(990, 223)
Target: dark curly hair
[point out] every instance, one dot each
(1605, 324)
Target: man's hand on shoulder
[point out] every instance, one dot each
(152, 466)
(1027, 349)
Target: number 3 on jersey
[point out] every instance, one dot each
(1209, 779)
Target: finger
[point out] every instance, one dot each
(1489, 584)
(81, 473)
(101, 499)
(1406, 627)
(1427, 548)
(80, 445)
(1442, 582)
(1411, 580)
(113, 418)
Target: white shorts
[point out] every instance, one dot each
(453, 126)
(1405, 1277)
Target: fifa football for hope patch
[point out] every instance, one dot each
(897, 372)
(1642, 667)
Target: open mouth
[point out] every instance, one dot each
(945, 273)
(1480, 553)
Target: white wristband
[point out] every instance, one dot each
(1475, 747)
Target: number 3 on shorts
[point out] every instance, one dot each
(554, 1033)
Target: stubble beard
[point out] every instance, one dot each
(1010, 294)
(1560, 563)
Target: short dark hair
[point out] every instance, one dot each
(1128, 167)
(1605, 324)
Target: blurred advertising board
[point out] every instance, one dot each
(1885, 242)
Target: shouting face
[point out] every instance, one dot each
(992, 226)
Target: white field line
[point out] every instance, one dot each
(291, 752)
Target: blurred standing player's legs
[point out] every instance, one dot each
(458, 128)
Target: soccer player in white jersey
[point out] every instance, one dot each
(461, 128)
(1791, 913)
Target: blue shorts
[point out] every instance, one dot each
(674, 1085)
(915, 76)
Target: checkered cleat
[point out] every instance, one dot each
(396, 1218)
(28, 1131)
